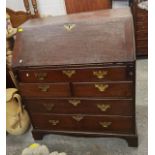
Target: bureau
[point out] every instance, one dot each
(76, 74)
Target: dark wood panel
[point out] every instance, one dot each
(84, 123)
(83, 106)
(105, 40)
(44, 90)
(107, 89)
(75, 6)
(77, 74)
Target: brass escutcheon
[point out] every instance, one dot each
(100, 74)
(69, 27)
(54, 122)
(78, 118)
(48, 107)
(105, 124)
(41, 76)
(75, 102)
(101, 87)
(44, 88)
(103, 107)
(69, 73)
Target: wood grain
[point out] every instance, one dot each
(112, 73)
(75, 6)
(95, 39)
(122, 107)
(87, 123)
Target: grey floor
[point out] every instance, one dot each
(96, 146)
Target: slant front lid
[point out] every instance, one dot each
(84, 38)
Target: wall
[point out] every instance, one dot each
(52, 7)
(45, 7)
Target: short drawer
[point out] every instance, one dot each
(110, 124)
(76, 75)
(44, 90)
(83, 106)
(106, 89)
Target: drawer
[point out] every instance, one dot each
(44, 90)
(83, 106)
(85, 123)
(106, 89)
(76, 75)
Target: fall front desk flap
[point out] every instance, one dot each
(92, 37)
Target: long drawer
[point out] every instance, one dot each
(45, 90)
(76, 75)
(107, 89)
(83, 106)
(91, 123)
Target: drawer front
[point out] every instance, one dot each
(83, 123)
(83, 106)
(76, 75)
(44, 90)
(119, 89)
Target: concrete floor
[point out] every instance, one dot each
(96, 146)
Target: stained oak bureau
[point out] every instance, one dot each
(76, 74)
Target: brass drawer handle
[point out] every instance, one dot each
(44, 88)
(54, 122)
(78, 118)
(105, 124)
(69, 27)
(100, 74)
(41, 76)
(75, 103)
(48, 107)
(69, 73)
(103, 107)
(101, 87)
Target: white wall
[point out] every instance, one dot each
(120, 4)
(45, 7)
(15, 4)
(51, 7)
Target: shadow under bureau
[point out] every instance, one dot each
(76, 74)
